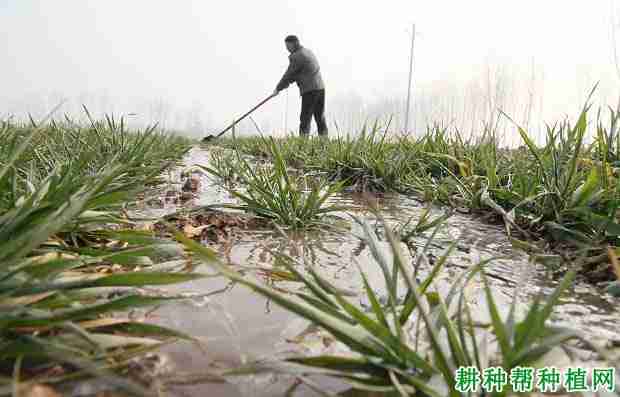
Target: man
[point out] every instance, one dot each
(304, 69)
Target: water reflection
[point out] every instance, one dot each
(237, 325)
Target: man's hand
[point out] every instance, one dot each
(275, 92)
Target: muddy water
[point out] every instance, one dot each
(237, 326)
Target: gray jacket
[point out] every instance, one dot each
(303, 69)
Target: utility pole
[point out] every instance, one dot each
(409, 86)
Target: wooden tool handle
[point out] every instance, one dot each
(245, 115)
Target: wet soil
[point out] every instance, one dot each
(236, 326)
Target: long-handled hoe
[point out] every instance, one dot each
(211, 137)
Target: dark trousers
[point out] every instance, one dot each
(313, 104)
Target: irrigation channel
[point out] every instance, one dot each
(237, 326)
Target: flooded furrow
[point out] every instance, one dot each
(237, 325)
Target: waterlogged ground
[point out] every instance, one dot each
(237, 326)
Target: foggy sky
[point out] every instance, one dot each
(213, 60)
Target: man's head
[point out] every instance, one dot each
(292, 43)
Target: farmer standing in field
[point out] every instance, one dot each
(304, 69)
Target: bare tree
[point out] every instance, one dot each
(614, 28)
